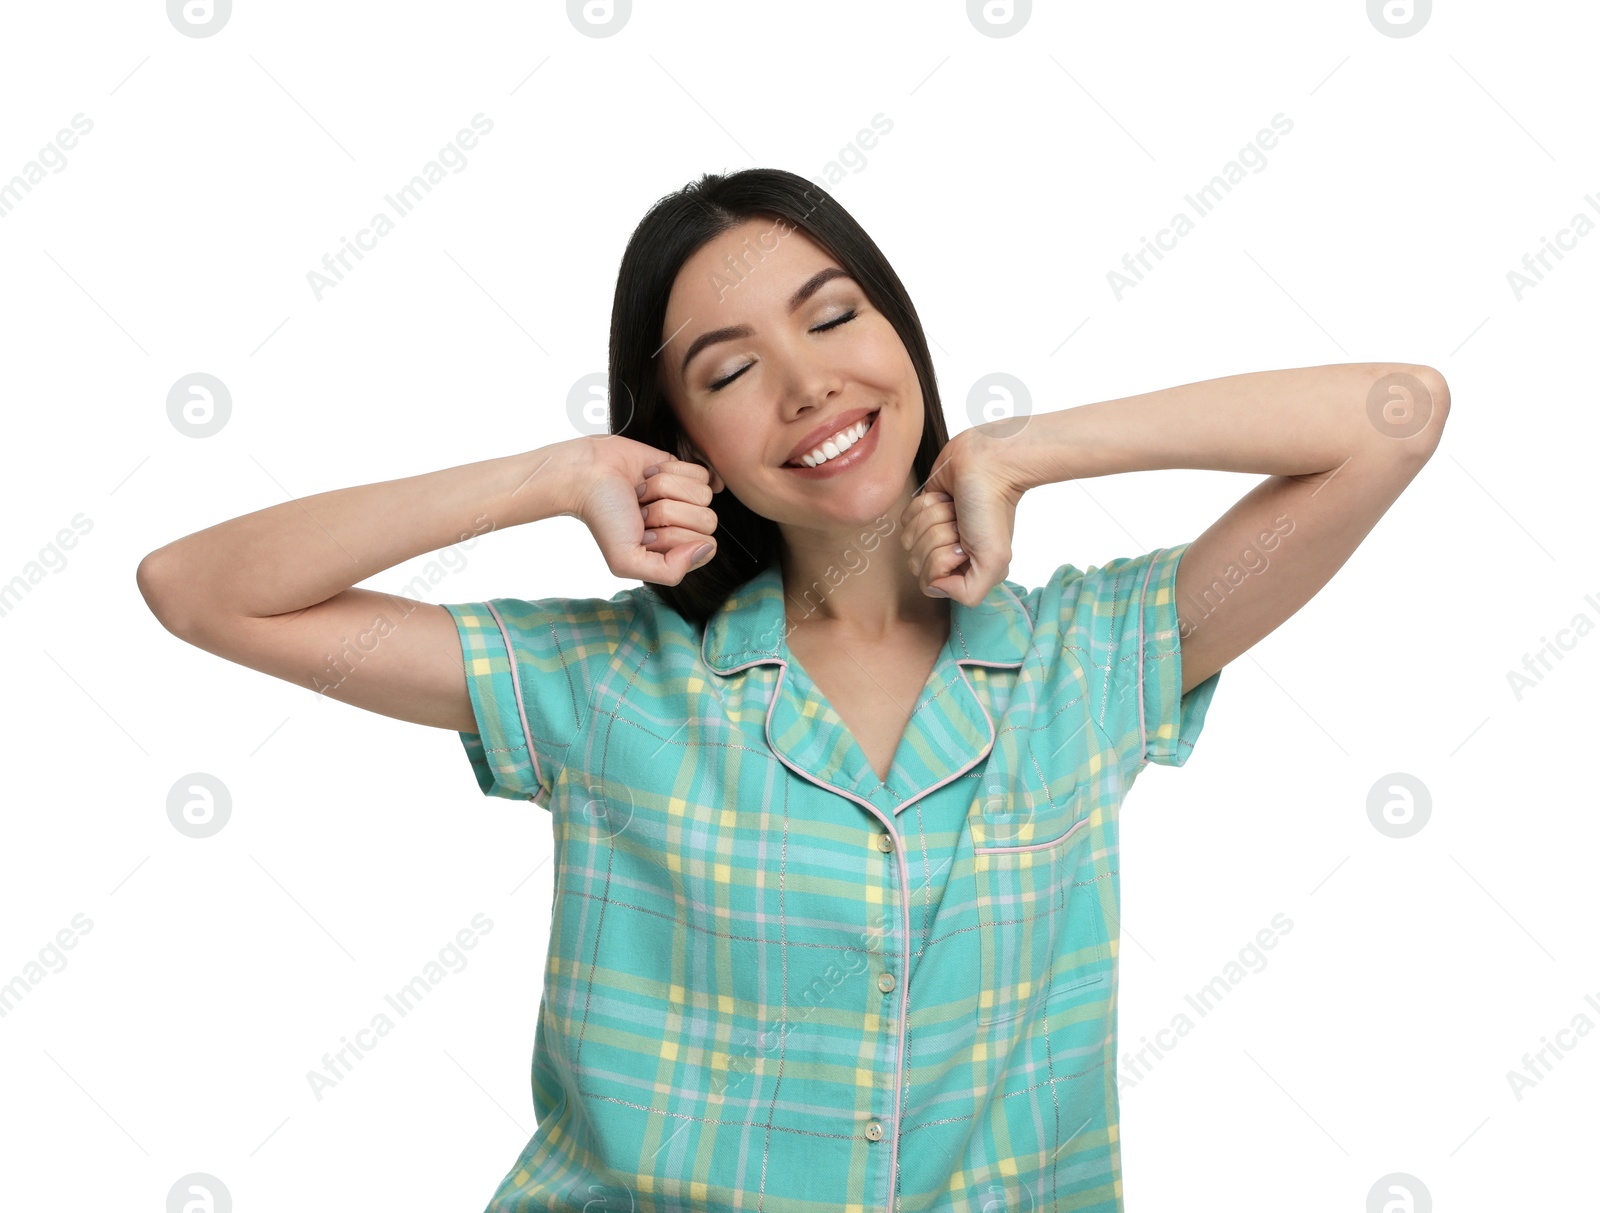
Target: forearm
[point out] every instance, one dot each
(1293, 422)
(299, 553)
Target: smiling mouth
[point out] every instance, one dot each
(871, 419)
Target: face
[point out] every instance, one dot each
(767, 341)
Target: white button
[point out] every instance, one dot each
(874, 1130)
(886, 982)
(885, 843)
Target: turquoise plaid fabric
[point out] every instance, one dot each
(774, 982)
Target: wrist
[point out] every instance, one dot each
(1047, 449)
(541, 483)
(1009, 455)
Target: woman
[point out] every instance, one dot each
(835, 805)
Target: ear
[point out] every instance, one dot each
(688, 454)
(717, 484)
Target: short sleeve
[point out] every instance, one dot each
(531, 669)
(1124, 624)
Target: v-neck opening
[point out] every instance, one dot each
(859, 755)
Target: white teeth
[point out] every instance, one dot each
(837, 445)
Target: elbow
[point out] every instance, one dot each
(1416, 408)
(156, 588)
(1439, 392)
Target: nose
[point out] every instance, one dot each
(809, 382)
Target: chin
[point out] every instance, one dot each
(864, 504)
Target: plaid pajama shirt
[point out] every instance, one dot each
(774, 982)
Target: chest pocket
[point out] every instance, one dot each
(1041, 923)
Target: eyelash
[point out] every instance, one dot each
(821, 328)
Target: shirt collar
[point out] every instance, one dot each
(749, 627)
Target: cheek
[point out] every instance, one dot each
(911, 417)
(735, 452)
(886, 363)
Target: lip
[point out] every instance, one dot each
(825, 431)
(859, 453)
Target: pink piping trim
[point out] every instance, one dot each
(1037, 846)
(516, 689)
(900, 869)
(1143, 593)
(899, 848)
(905, 916)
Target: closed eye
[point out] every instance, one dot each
(821, 328)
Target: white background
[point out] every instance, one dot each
(1019, 170)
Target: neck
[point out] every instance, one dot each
(856, 581)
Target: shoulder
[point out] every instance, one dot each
(1042, 603)
(1105, 590)
(577, 628)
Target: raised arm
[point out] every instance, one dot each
(272, 590)
(1338, 445)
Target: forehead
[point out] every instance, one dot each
(741, 274)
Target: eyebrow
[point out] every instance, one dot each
(807, 289)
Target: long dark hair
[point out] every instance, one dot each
(673, 231)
